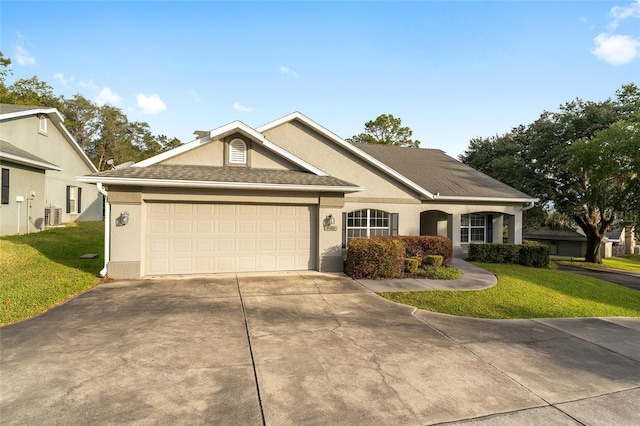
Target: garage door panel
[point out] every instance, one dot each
(185, 238)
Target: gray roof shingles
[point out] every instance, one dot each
(224, 175)
(7, 148)
(436, 172)
(10, 108)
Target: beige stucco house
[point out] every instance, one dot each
(288, 196)
(39, 162)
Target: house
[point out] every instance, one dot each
(39, 162)
(566, 243)
(289, 195)
(624, 239)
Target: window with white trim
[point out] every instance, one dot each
(369, 223)
(237, 152)
(42, 123)
(473, 228)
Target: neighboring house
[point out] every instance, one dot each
(289, 196)
(623, 239)
(568, 243)
(39, 162)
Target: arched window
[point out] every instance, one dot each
(369, 223)
(237, 152)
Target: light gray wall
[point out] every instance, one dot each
(29, 215)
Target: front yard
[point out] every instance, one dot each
(41, 270)
(629, 262)
(524, 292)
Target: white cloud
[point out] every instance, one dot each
(88, 84)
(286, 70)
(615, 49)
(151, 104)
(23, 57)
(62, 79)
(620, 13)
(238, 107)
(107, 96)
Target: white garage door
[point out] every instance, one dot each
(192, 238)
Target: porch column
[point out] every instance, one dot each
(498, 223)
(453, 231)
(515, 228)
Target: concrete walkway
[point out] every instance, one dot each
(310, 349)
(473, 278)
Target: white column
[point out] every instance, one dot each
(498, 223)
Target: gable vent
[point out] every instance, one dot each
(237, 152)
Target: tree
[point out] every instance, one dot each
(581, 162)
(81, 118)
(386, 130)
(31, 91)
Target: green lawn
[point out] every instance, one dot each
(41, 270)
(524, 292)
(630, 262)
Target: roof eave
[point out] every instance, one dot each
(487, 199)
(27, 162)
(217, 185)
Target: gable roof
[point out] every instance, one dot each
(16, 155)
(446, 178)
(220, 177)
(10, 111)
(546, 233)
(442, 175)
(226, 130)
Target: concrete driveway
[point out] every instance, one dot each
(306, 349)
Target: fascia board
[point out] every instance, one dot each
(487, 199)
(346, 145)
(26, 113)
(235, 126)
(29, 162)
(218, 185)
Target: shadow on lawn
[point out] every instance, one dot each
(66, 245)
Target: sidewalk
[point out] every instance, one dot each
(473, 278)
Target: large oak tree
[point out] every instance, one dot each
(386, 130)
(582, 162)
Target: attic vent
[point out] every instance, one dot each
(237, 152)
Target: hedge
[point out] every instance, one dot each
(375, 258)
(536, 256)
(426, 245)
(385, 257)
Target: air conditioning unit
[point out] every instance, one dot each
(52, 216)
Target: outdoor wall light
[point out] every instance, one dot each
(329, 220)
(123, 219)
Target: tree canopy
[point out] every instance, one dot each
(104, 132)
(582, 162)
(386, 130)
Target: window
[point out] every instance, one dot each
(369, 223)
(5, 186)
(42, 127)
(473, 228)
(74, 199)
(237, 152)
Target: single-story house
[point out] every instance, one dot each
(624, 239)
(39, 162)
(566, 243)
(289, 195)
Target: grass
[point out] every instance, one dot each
(524, 292)
(41, 270)
(629, 262)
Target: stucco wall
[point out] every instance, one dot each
(55, 148)
(30, 213)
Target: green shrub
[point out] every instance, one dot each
(425, 245)
(536, 255)
(375, 258)
(412, 264)
(439, 273)
(434, 260)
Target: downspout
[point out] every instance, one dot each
(107, 228)
(529, 205)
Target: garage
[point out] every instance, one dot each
(202, 238)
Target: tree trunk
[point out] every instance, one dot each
(593, 248)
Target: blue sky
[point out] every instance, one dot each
(450, 70)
